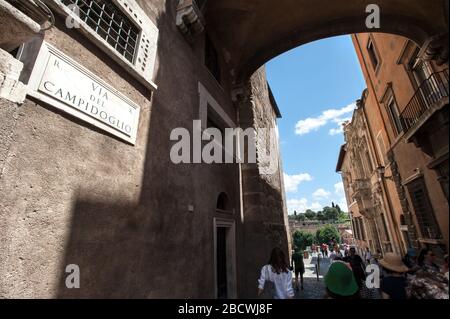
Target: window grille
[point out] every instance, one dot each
(423, 210)
(108, 21)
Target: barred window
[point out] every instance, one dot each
(423, 210)
(108, 21)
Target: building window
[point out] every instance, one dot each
(212, 59)
(355, 228)
(121, 28)
(421, 70)
(108, 21)
(359, 229)
(222, 202)
(201, 4)
(214, 123)
(394, 114)
(369, 163)
(423, 210)
(363, 231)
(385, 228)
(373, 54)
(382, 148)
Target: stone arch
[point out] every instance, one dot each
(253, 32)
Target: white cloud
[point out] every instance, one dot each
(316, 206)
(340, 120)
(321, 194)
(336, 131)
(313, 124)
(291, 182)
(343, 204)
(340, 129)
(339, 189)
(300, 205)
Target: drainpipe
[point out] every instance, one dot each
(382, 178)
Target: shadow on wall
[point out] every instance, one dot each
(139, 250)
(264, 227)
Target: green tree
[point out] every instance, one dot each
(302, 240)
(331, 213)
(344, 217)
(310, 214)
(320, 216)
(301, 217)
(327, 233)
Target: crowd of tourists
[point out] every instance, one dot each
(413, 276)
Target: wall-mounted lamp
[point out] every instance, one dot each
(382, 170)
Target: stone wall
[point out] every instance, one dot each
(73, 194)
(265, 213)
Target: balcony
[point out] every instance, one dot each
(361, 185)
(430, 97)
(362, 195)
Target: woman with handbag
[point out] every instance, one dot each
(275, 281)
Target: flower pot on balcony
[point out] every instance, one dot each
(19, 26)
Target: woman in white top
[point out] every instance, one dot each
(336, 254)
(277, 271)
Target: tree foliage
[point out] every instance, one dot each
(302, 240)
(327, 234)
(310, 214)
(331, 213)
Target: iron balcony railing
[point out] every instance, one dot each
(431, 91)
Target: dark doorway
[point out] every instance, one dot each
(222, 282)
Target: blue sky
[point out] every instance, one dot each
(316, 86)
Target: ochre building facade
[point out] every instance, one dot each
(395, 161)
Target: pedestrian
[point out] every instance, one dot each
(393, 285)
(299, 268)
(428, 284)
(410, 260)
(445, 268)
(277, 272)
(336, 254)
(426, 260)
(368, 256)
(357, 265)
(346, 251)
(340, 282)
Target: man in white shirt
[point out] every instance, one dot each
(368, 256)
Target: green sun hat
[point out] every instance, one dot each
(340, 280)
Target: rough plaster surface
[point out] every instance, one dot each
(264, 207)
(72, 194)
(16, 26)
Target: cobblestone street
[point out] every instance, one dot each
(313, 288)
